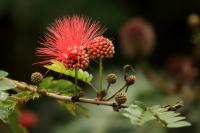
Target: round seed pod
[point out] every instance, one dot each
(36, 77)
(111, 78)
(120, 98)
(130, 79)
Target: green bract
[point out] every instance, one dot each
(60, 68)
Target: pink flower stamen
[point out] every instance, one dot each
(67, 38)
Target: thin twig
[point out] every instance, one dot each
(116, 93)
(93, 87)
(108, 87)
(33, 88)
(100, 73)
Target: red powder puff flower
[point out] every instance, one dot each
(28, 119)
(137, 38)
(68, 39)
(181, 67)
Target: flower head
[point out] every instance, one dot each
(67, 39)
(137, 38)
(101, 47)
(28, 119)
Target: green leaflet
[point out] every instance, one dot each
(6, 85)
(45, 83)
(60, 68)
(74, 108)
(8, 104)
(60, 86)
(69, 106)
(82, 110)
(170, 119)
(25, 96)
(56, 66)
(3, 74)
(139, 114)
(3, 95)
(6, 108)
(141, 105)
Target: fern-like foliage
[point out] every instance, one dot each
(139, 114)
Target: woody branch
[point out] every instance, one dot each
(33, 88)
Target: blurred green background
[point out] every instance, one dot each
(23, 23)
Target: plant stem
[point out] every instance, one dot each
(116, 93)
(35, 89)
(100, 73)
(108, 87)
(76, 78)
(93, 87)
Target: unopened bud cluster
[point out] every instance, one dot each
(101, 47)
(36, 77)
(111, 78)
(130, 79)
(78, 60)
(120, 98)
